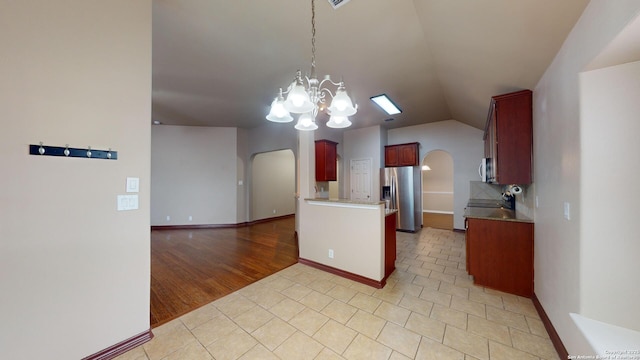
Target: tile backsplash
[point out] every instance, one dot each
(524, 201)
(482, 190)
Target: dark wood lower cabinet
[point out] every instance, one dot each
(389, 244)
(500, 255)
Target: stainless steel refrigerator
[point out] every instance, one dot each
(402, 190)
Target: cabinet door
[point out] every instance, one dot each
(467, 242)
(500, 255)
(509, 138)
(326, 157)
(389, 244)
(401, 155)
(391, 156)
(409, 155)
(492, 166)
(514, 138)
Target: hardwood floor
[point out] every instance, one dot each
(437, 221)
(191, 268)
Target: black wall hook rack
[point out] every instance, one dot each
(66, 151)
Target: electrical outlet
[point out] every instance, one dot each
(330, 253)
(127, 202)
(190, 218)
(274, 211)
(168, 218)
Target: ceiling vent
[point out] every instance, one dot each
(337, 3)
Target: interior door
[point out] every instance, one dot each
(361, 179)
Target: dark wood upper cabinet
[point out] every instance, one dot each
(508, 138)
(391, 156)
(401, 155)
(326, 157)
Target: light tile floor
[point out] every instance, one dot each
(429, 309)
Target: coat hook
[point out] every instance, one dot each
(66, 150)
(41, 149)
(89, 151)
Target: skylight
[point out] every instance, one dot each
(386, 104)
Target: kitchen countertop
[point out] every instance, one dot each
(347, 201)
(494, 213)
(387, 212)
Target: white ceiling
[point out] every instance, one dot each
(221, 63)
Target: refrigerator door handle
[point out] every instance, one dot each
(393, 193)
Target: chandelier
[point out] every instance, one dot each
(306, 96)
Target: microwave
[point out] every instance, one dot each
(484, 169)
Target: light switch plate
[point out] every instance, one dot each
(133, 184)
(567, 210)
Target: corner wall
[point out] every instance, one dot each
(273, 185)
(363, 143)
(194, 173)
(557, 157)
(609, 244)
(74, 272)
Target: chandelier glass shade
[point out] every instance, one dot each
(338, 122)
(307, 95)
(278, 112)
(306, 122)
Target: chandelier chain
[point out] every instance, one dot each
(310, 99)
(313, 38)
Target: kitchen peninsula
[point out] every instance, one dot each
(353, 239)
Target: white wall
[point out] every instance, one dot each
(437, 183)
(74, 272)
(272, 136)
(465, 145)
(354, 232)
(243, 171)
(609, 245)
(557, 157)
(274, 184)
(363, 143)
(193, 173)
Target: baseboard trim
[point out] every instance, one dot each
(121, 347)
(345, 274)
(219, 226)
(553, 334)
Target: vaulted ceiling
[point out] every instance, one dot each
(221, 63)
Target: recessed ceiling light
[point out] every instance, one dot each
(156, 122)
(386, 104)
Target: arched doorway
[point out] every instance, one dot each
(437, 190)
(273, 184)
